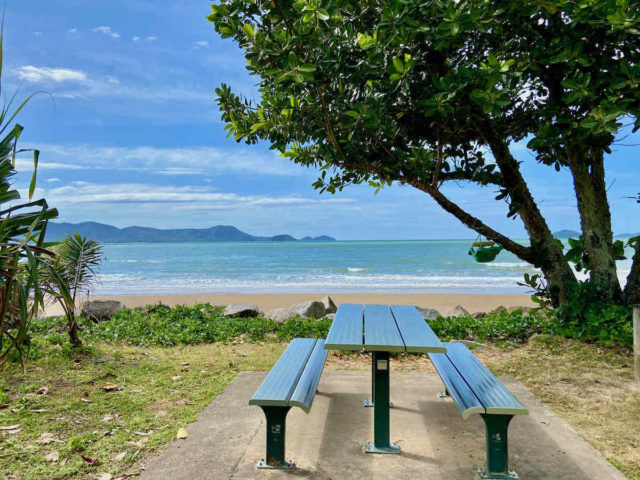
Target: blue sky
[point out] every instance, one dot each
(130, 134)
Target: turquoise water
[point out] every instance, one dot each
(269, 267)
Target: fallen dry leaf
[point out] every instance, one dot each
(52, 456)
(175, 378)
(110, 387)
(186, 364)
(143, 434)
(120, 456)
(545, 422)
(107, 418)
(47, 438)
(89, 460)
(39, 410)
(3, 405)
(104, 476)
(13, 432)
(43, 391)
(85, 400)
(140, 442)
(10, 427)
(182, 433)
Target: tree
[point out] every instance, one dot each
(72, 272)
(22, 229)
(425, 92)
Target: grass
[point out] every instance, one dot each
(162, 389)
(60, 407)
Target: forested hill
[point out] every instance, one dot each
(219, 233)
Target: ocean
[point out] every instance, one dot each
(301, 267)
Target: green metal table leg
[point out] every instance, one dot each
(276, 428)
(497, 448)
(381, 422)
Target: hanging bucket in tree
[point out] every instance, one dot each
(486, 251)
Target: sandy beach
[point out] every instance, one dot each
(440, 301)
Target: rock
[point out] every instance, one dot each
(330, 316)
(457, 311)
(241, 310)
(100, 310)
(428, 313)
(280, 314)
(329, 306)
(524, 310)
(479, 315)
(499, 309)
(310, 309)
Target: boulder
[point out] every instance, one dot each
(499, 309)
(457, 311)
(479, 315)
(524, 310)
(329, 306)
(241, 310)
(310, 309)
(100, 310)
(428, 313)
(280, 314)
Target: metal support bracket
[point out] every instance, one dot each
(276, 429)
(444, 394)
(497, 448)
(370, 447)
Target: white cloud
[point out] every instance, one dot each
(41, 74)
(202, 43)
(37, 34)
(135, 39)
(152, 39)
(106, 30)
(52, 180)
(163, 161)
(189, 197)
(73, 30)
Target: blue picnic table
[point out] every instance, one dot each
(381, 330)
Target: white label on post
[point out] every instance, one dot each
(383, 365)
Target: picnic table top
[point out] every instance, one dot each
(382, 328)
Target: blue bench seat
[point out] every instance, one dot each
(292, 382)
(474, 389)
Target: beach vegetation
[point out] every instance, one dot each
(431, 93)
(22, 228)
(71, 272)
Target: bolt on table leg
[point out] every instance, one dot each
(381, 422)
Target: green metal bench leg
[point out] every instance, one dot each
(381, 422)
(276, 428)
(497, 448)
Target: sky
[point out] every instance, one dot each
(130, 134)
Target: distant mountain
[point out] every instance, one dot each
(627, 235)
(219, 233)
(566, 234)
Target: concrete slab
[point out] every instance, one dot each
(327, 443)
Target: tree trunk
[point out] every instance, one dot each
(547, 254)
(595, 220)
(632, 288)
(74, 338)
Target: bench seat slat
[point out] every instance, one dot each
(380, 330)
(306, 389)
(277, 388)
(416, 332)
(462, 395)
(494, 396)
(349, 336)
